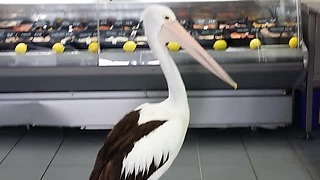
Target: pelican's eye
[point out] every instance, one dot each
(166, 17)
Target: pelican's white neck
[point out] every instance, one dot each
(177, 92)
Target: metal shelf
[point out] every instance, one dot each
(116, 58)
(249, 72)
(143, 70)
(22, 2)
(267, 54)
(36, 2)
(181, 1)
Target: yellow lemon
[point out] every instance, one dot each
(93, 47)
(173, 46)
(129, 46)
(220, 45)
(293, 43)
(58, 48)
(255, 43)
(21, 48)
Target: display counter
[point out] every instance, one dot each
(56, 48)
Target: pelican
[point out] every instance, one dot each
(144, 144)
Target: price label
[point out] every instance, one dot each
(41, 23)
(130, 23)
(243, 30)
(264, 21)
(61, 34)
(280, 29)
(2, 35)
(114, 33)
(85, 34)
(38, 34)
(211, 32)
(93, 24)
(206, 21)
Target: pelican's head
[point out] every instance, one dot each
(155, 16)
(161, 26)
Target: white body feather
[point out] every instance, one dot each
(165, 140)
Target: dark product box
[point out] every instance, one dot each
(83, 39)
(64, 37)
(277, 34)
(264, 23)
(126, 24)
(204, 24)
(242, 36)
(113, 38)
(208, 37)
(232, 24)
(8, 40)
(141, 39)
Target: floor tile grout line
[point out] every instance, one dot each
(251, 164)
(300, 159)
(54, 155)
(15, 144)
(199, 158)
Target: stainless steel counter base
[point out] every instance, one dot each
(101, 110)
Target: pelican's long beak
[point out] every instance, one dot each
(172, 31)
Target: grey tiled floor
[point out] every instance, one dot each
(207, 154)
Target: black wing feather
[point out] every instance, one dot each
(118, 144)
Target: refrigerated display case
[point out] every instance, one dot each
(62, 63)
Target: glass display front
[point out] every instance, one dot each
(88, 33)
